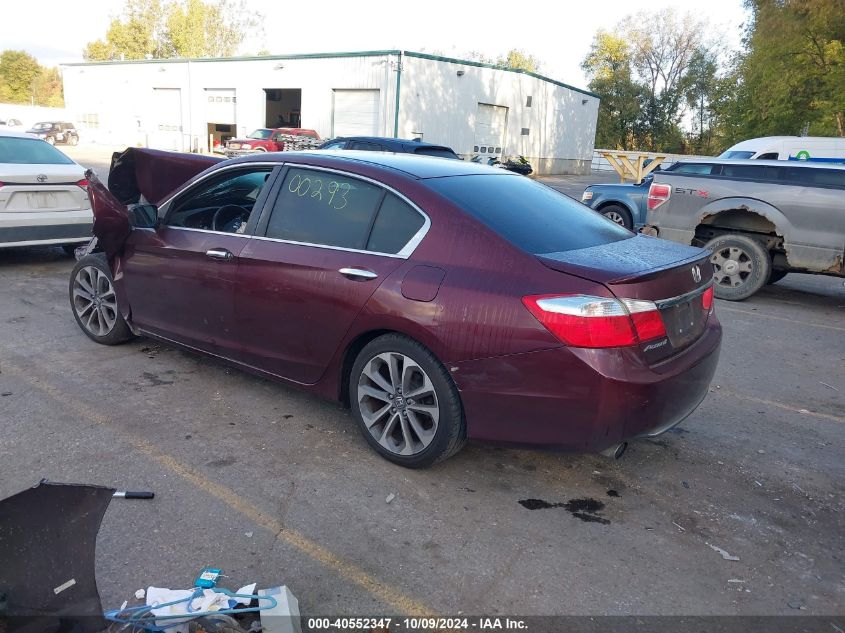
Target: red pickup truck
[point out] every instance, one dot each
(271, 140)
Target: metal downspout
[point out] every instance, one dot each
(396, 107)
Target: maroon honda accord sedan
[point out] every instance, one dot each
(440, 300)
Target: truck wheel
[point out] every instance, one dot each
(742, 266)
(618, 214)
(777, 275)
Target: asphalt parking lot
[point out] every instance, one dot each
(275, 486)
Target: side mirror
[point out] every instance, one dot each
(143, 216)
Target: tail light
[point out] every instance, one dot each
(2, 184)
(281, 146)
(83, 184)
(657, 195)
(707, 299)
(586, 321)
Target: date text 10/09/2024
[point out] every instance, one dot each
(417, 624)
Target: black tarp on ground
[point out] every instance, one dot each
(48, 540)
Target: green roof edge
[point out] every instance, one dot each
(377, 53)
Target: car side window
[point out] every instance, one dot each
(221, 203)
(751, 172)
(367, 147)
(324, 208)
(693, 168)
(768, 156)
(397, 222)
(336, 145)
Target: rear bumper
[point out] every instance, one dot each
(584, 400)
(26, 229)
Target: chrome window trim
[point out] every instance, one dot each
(668, 303)
(271, 165)
(187, 228)
(404, 253)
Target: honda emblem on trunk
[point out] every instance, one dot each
(696, 274)
(41, 178)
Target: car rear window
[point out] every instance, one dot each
(752, 172)
(437, 152)
(30, 151)
(533, 217)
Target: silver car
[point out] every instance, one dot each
(43, 195)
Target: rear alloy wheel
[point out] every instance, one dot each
(94, 302)
(405, 402)
(50, 140)
(73, 140)
(618, 214)
(741, 266)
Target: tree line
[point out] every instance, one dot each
(24, 80)
(665, 86)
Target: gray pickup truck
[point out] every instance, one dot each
(761, 218)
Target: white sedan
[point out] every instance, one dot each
(43, 195)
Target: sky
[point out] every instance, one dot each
(559, 32)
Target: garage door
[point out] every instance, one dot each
(219, 105)
(166, 117)
(490, 122)
(356, 113)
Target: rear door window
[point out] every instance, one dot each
(747, 172)
(698, 169)
(397, 222)
(324, 208)
(820, 177)
(532, 216)
(366, 146)
(438, 152)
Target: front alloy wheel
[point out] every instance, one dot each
(405, 402)
(94, 302)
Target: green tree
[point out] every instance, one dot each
(18, 72)
(701, 87)
(792, 72)
(47, 88)
(154, 29)
(516, 58)
(608, 66)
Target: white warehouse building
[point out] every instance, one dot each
(475, 108)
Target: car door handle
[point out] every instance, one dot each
(358, 274)
(219, 253)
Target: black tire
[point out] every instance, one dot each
(742, 266)
(776, 275)
(73, 140)
(104, 323)
(449, 431)
(618, 214)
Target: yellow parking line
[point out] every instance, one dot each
(722, 308)
(781, 405)
(403, 604)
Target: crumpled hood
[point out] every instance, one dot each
(615, 262)
(153, 173)
(137, 172)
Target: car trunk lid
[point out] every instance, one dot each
(673, 276)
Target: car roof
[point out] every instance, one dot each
(419, 167)
(17, 134)
(808, 164)
(390, 141)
